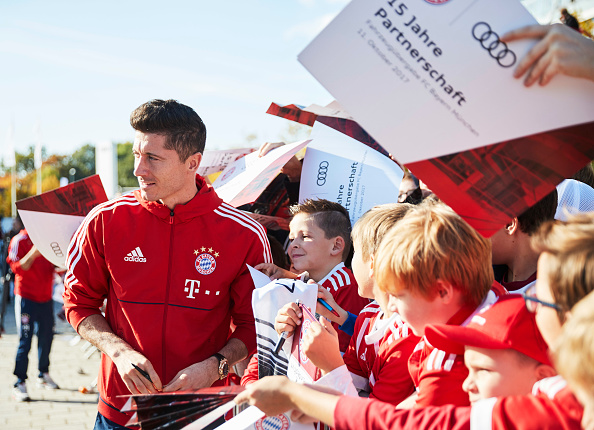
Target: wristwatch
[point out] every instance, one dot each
(223, 365)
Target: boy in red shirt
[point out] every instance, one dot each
(437, 270)
(320, 234)
(376, 359)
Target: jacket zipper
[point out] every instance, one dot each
(169, 273)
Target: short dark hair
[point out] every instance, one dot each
(184, 129)
(538, 214)
(585, 175)
(331, 217)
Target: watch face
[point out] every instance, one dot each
(223, 369)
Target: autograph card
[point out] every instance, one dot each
(427, 78)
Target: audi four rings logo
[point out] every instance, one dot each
(322, 172)
(494, 46)
(56, 249)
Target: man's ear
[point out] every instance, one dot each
(512, 227)
(337, 246)
(544, 371)
(193, 161)
(445, 291)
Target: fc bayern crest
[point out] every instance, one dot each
(437, 1)
(278, 422)
(205, 264)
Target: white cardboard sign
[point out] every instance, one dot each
(244, 180)
(216, 161)
(428, 78)
(341, 169)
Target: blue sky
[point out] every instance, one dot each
(78, 68)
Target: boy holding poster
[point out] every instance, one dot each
(376, 359)
(320, 234)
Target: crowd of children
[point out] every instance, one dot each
(476, 356)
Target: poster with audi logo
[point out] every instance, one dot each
(339, 168)
(430, 78)
(244, 180)
(51, 218)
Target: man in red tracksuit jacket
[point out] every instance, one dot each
(34, 306)
(171, 260)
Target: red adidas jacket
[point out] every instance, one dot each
(380, 357)
(36, 283)
(342, 284)
(174, 281)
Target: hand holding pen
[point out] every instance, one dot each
(328, 308)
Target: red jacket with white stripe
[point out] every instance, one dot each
(438, 375)
(174, 281)
(342, 285)
(36, 283)
(360, 355)
(553, 408)
(378, 355)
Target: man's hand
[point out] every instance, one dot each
(270, 395)
(288, 318)
(134, 380)
(320, 344)
(560, 50)
(196, 376)
(96, 330)
(274, 272)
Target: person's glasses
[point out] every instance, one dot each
(532, 302)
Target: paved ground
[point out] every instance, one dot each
(66, 408)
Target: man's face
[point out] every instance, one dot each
(547, 318)
(309, 249)
(415, 310)
(362, 271)
(497, 372)
(161, 175)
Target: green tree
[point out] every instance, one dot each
(82, 160)
(126, 176)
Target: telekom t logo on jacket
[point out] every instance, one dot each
(192, 286)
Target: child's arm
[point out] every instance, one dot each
(320, 344)
(321, 310)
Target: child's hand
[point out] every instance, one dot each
(320, 344)
(275, 272)
(321, 310)
(288, 318)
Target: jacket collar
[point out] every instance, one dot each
(206, 200)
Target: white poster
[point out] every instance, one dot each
(428, 78)
(216, 161)
(51, 233)
(244, 180)
(341, 169)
